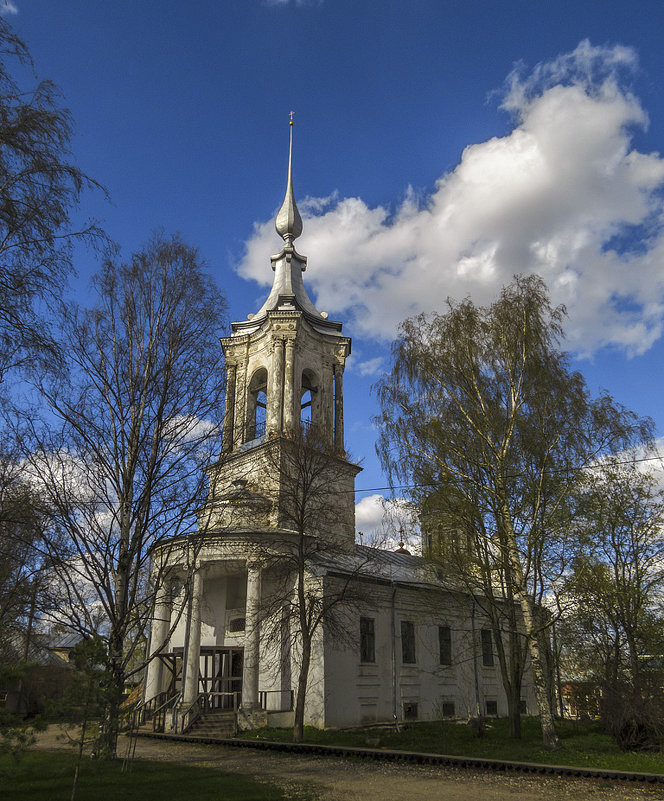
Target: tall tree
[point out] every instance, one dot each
(483, 416)
(138, 416)
(39, 190)
(613, 630)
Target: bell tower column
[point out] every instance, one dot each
(289, 388)
(275, 422)
(229, 411)
(338, 408)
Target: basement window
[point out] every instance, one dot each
(236, 624)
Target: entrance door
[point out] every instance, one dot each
(221, 676)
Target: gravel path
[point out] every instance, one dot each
(339, 779)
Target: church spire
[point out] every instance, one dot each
(289, 222)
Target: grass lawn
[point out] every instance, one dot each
(47, 776)
(583, 744)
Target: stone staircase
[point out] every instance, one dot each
(216, 723)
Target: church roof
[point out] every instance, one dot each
(379, 565)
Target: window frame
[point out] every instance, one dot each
(367, 640)
(444, 645)
(487, 648)
(408, 652)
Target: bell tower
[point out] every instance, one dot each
(285, 366)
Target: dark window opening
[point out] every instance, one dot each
(492, 708)
(523, 707)
(487, 648)
(236, 624)
(448, 709)
(410, 710)
(307, 399)
(445, 645)
(367, 640)
(257, 405)
(407, 642)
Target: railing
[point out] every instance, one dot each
(185, 720)
(205, 702)
(146, 710)
(159, 714)
(284, 701)
(215, 700)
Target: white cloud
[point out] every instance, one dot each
(565, 194)
(386, 522)
(369, 367)
(7, 7)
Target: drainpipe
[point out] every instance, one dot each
(395, 716)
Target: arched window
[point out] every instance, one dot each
(256, 405)
(308, 399)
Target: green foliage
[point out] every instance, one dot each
(17, 734)
(612, 634)
(85, 695)
(482, 416)
(44, 776)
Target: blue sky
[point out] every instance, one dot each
(440, 147)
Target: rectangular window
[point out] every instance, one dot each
(523, 707)
(410, 710)
(448, 709)
(487, 648)
(367, 640)
(407, 642)
(445, 645)
(492, 708)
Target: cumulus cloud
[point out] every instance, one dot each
(386, 522)
(565, 194)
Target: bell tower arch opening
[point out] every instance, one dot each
(256, 405)
(309, 407)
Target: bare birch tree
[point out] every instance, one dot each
(314, 539)
(128, 431)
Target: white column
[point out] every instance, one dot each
(276, 396)
(193, 655)
(161, 622)
(251, 637)
(289, 388)
(229, 410)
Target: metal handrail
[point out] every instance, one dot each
(183, 721)
(262, 700)
(159, 713)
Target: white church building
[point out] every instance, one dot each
(403, 645)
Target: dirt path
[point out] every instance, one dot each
(339, 779)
